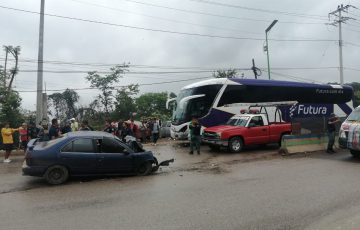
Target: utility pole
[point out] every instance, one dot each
(39, 96)
(257, 71)
(266, 48)
(339, 19)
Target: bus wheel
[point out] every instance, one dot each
(235, 144)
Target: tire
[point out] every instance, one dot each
(235, 144)
(214, 147)
(56, 174)
(144, 169)
(355, 153)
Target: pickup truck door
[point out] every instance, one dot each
(257, 132)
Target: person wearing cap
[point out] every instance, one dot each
(331, 127)
(23, 136)
(74, 125)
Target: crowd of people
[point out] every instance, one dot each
(147, 130)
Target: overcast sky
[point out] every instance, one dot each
(74, 41)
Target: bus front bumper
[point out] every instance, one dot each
(216, 142)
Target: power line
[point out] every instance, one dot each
(353, 69)
(319, 17)
(358, 31)
(352, 44)
(58, 62)
(163, 19)
(108, 72)
(217, 15)
(116, 87)
(166, 31)
(168, 72)
(295, 78)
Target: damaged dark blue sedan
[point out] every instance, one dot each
(87, 153)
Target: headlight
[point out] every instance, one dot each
(218, 134)
(342, 134)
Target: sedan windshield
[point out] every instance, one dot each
(239, 121)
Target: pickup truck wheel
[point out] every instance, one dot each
(355, 153)
(56, 174)
(235, 144)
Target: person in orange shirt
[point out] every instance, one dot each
(8, 141)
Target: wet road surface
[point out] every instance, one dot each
(257, 189)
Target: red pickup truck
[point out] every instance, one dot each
(245, 129)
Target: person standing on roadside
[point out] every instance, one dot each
(85, 126)
(54, 131)
(23, 136)
(8, 141)
(108, 128)
(331, 127)
(155, 129)
(195, 137)
(33, 131)
(74, 125)
(66, 128)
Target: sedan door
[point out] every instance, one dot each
(114, 157)
(79, 156)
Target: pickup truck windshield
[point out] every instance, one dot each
(239, 121)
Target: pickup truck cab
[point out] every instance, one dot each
(245, 129)
(349, 134)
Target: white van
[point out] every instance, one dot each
(349, 135)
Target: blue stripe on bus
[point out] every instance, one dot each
(344, 107)
(215, 117)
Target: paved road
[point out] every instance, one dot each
(253, 190)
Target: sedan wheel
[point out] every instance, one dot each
(144, 169)
(56, 174)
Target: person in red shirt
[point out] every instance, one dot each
(23, 136)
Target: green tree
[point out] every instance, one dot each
(153, 104)
(10, 102)
(125, 103)
(57, 102)
(106, 85)
(10, 108)
(230, 73)
(64, 104)
(71, 97)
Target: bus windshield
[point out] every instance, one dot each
(355, 115)
(194, 107)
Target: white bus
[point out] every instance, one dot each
(214, 101)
